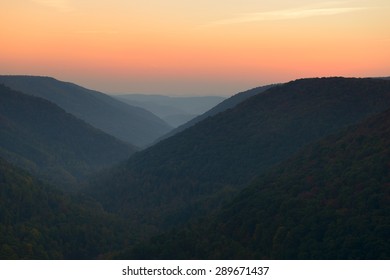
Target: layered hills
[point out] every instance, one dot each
(42, 138)
(127, 123)
(291, 171)
(193, 172)
(329, 201)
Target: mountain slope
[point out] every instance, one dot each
(40, 222)
(194, 171)
(127, 123)
(330, 201)
(174, 110)
(221, 107)
(40, 137)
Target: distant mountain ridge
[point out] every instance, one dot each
(192, 172)
(127, 123)
(174, 110)
(223, 106)
(42, 138)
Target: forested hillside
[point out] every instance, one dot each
(40, 222)
(42, 138)
(330, 201)
(127, 123)
(193, 172)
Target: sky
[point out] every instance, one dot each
(193, 47)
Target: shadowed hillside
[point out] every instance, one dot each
(192, 172)
(40, 137)
(330, 201)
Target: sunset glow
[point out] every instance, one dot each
(200, 47)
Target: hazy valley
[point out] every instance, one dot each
(173, 110)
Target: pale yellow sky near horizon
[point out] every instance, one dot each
(201, 47)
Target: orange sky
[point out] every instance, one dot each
(197, 47)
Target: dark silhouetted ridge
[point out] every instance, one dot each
(127, 123)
